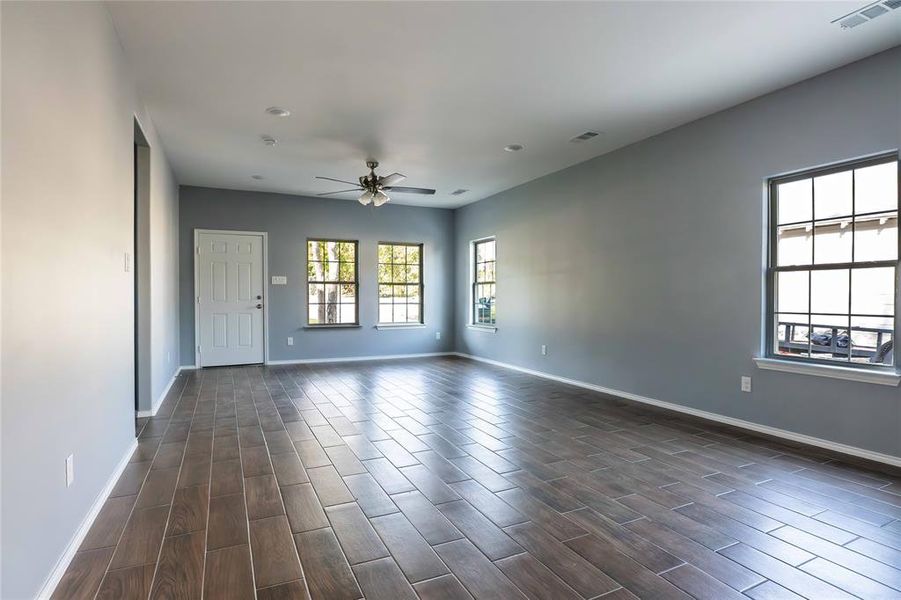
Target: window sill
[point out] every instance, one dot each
(400, 326)
(336, 326)
(485, 328)
(878, 377)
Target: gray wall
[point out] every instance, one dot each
(68, 106)
(289, 221)
(642, 269)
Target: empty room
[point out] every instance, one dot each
(450, 300)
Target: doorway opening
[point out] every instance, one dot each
(140, 268)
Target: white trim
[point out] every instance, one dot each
(765, 429)
(303, 361)
(159, 400)
(400, 326)
(834, 371)
(265, 288)
(68, 554)
(484, 328)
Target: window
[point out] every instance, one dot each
(484, 282)
(331, 282)
(833, 263)
(400, 283)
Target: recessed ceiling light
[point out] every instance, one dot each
(513, 147)
(278, 111)
(256, 177)
(268, 140)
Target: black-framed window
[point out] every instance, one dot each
(484, 282)
(833, 264)
(332, 282)
(400, 283)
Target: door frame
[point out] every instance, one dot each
(194, 252)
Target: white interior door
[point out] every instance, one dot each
(230, 298)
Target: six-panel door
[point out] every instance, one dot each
(230, 298)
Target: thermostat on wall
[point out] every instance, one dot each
(279, 280)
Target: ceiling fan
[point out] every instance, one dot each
(375, 188)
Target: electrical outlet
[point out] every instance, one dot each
(543, 349)
(70, 469)
(127, 262)
(437, 335)
(290, 341)
(745, 384)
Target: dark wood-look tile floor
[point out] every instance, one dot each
(446, 478)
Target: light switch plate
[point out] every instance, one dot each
(279, 280)
(70, 469)
(290, 341)
(745, 384)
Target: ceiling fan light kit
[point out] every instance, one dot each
(375, 188)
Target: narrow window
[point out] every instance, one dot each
(833, 264)
(331, 282)
(400, 283)
(484, 282)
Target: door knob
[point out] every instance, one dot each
(259, 297)
(259, 306)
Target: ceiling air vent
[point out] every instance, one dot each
(584, 137)
(459, 192)
(867, 13)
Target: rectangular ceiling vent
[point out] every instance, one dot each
(458, 192)
(867, 13)
(584, 136)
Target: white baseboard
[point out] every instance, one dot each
(765, 429)
(303, 361)
(159, 399)
(63, 563)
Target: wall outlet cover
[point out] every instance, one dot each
(745, 384)
(290, 341)
(437, 335)
(543, 349)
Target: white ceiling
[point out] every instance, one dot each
(435, 90)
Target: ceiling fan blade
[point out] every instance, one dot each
(338, 180)
(409, 190)
(390, 180)
(356, 189)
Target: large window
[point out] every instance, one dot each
(331, 282)
(484, 282)
(400, 283)
(833, 263)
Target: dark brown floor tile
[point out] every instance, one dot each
(446, 587)
(82, 578)
(227, 522)
(356, 535)
(179, 573)
(226, 478)
(412, 553)
(296, 590)
(479, 530)
(534, 579)
(228, 574)
(274, 557)
(475, 572)
(327, 574)
(110, 522)
(140, 543)
(329, 486)
(189, 510)
(383, 579)
(304, 510)
(288, 468)
(127, 584)
(263, 497)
